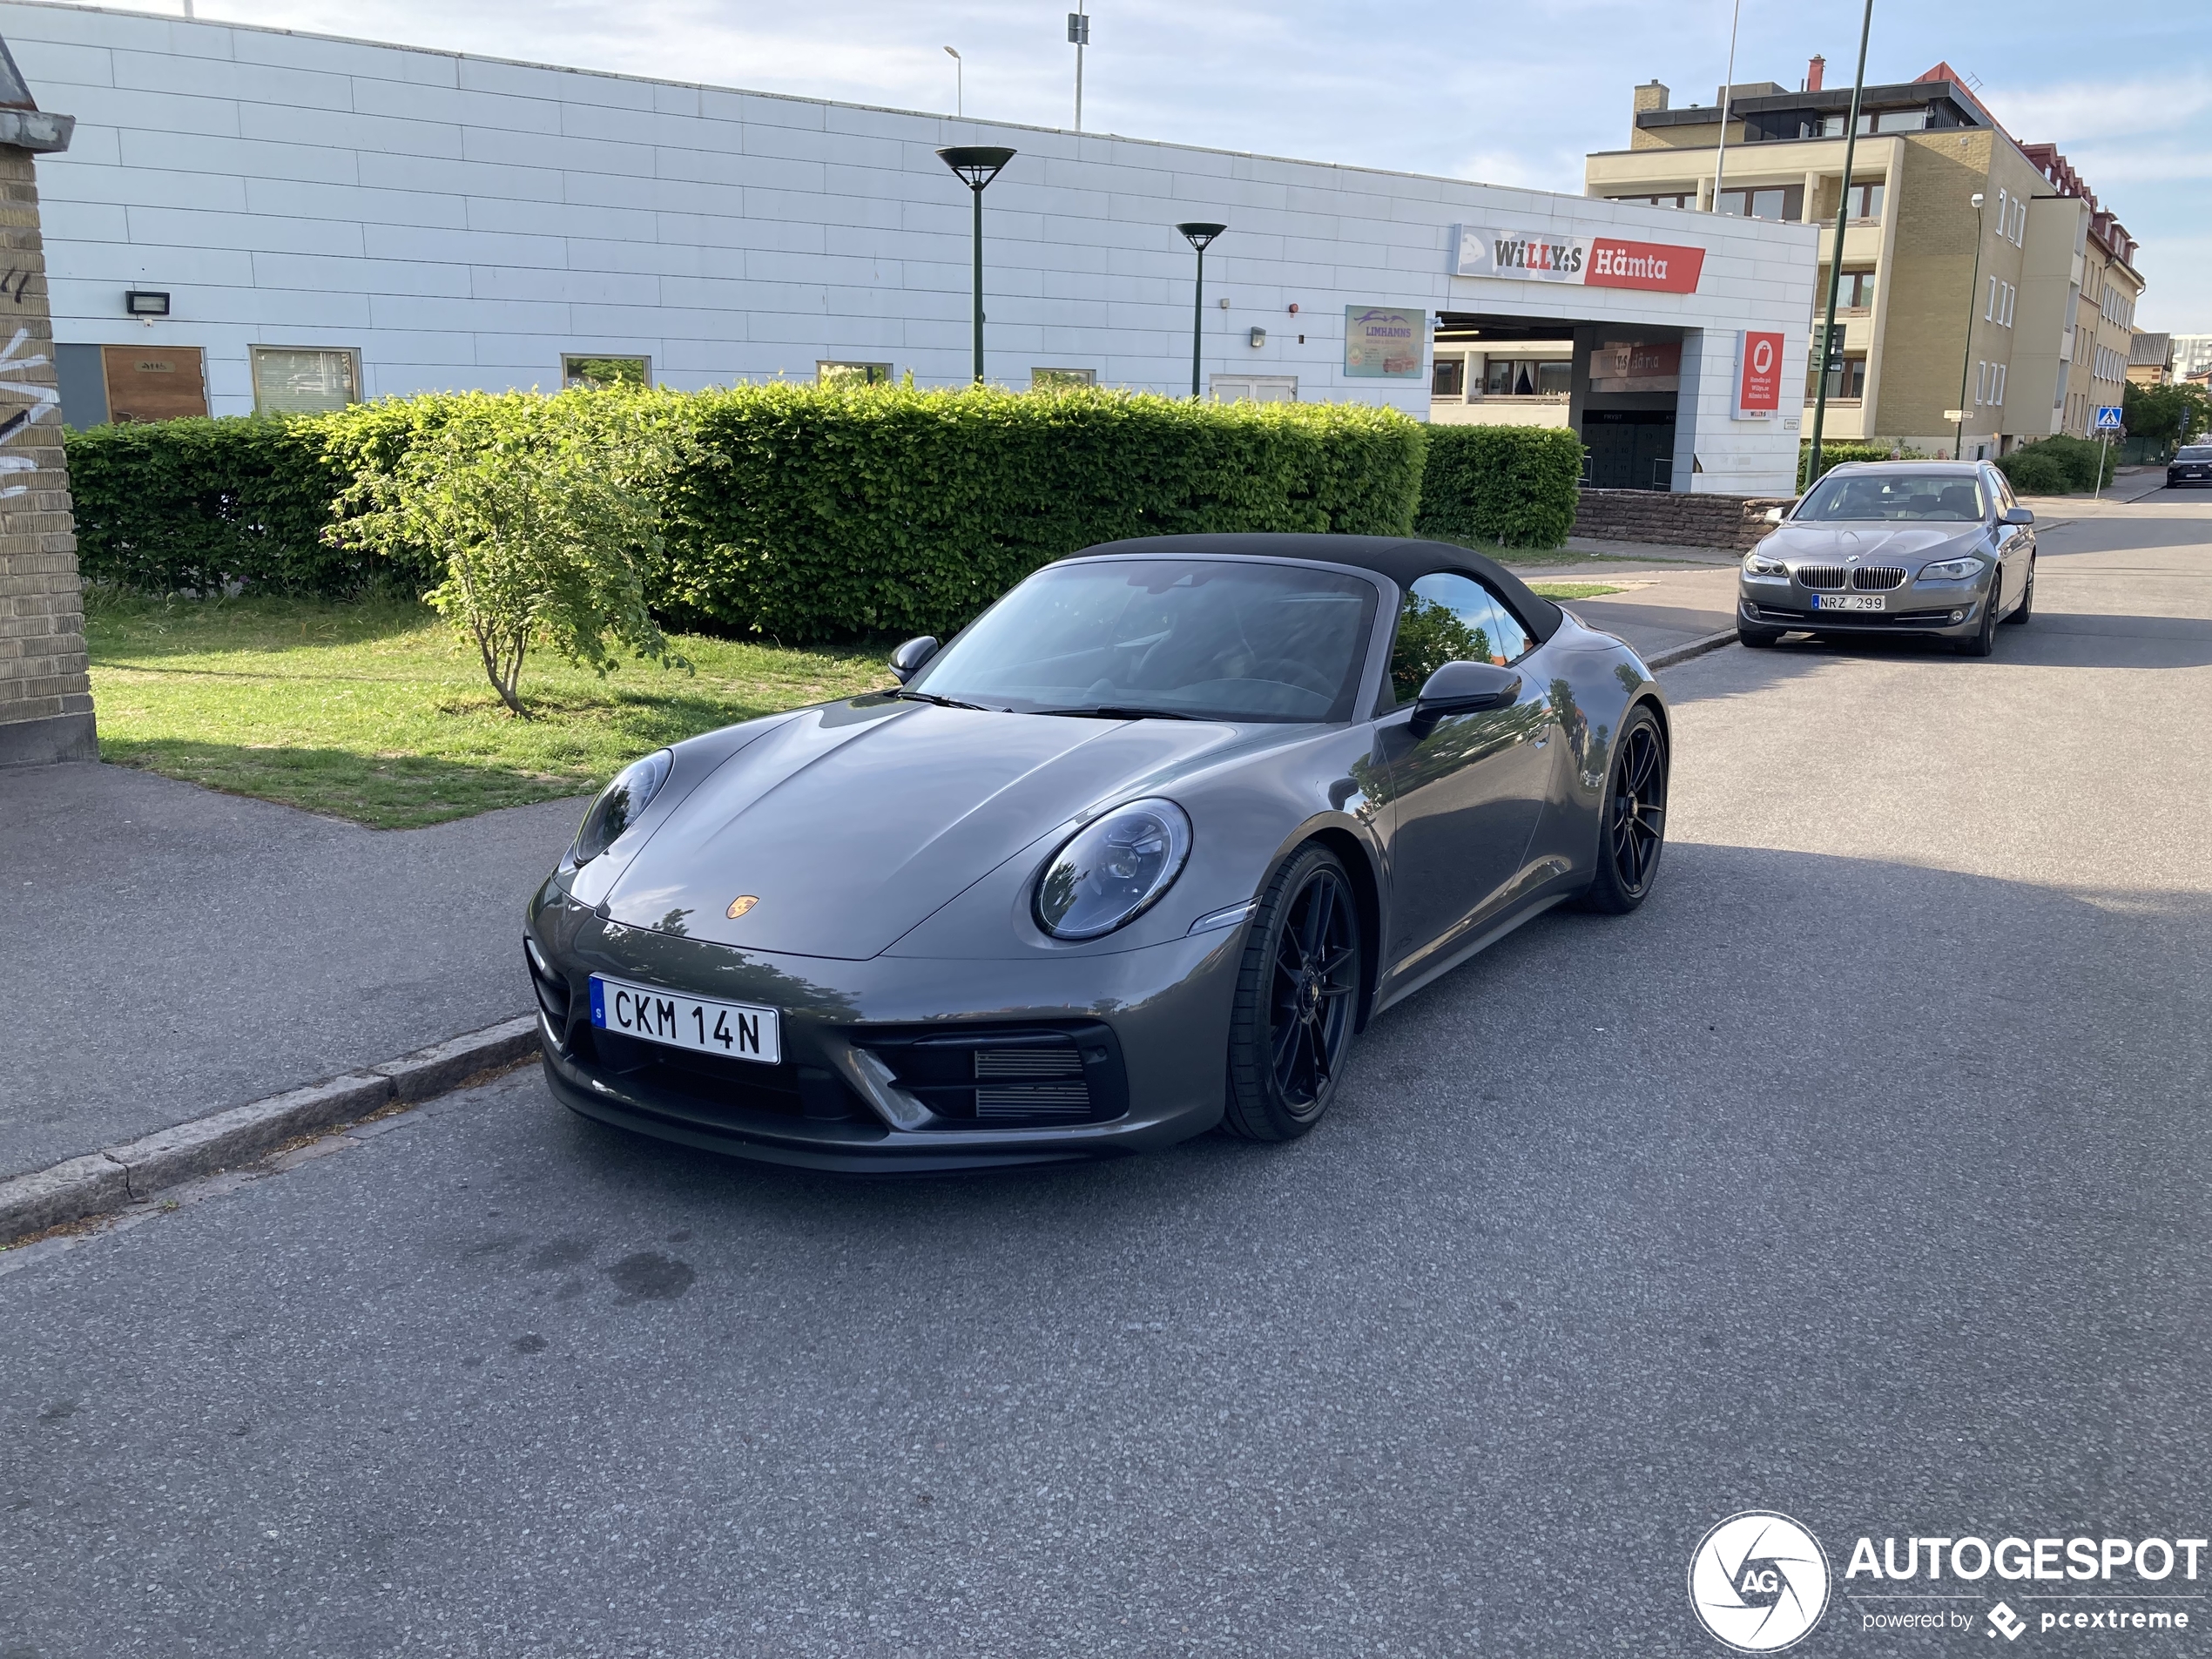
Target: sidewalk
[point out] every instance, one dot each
(172, 952)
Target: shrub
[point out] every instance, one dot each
(798, 511)
(807, 511)
(2059, 466)
(199, 505)
(1835, 455)
(1514, 486)
(545, 514)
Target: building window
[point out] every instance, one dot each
(829, 374)
(1863, 201)
(1683, 199)
(1770, 201)
(1448, 378)
(1053, 380)
(1554, 379)
(1856, 293)
(580, 369)
(1847, 383)
(305, 380)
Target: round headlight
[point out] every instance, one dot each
(1113, 869)
(620, 804)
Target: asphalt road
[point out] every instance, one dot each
(1862, 1176)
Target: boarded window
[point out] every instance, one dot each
(154, 382)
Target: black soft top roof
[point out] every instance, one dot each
(1404, 559)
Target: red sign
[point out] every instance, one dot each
(1758, 374)
(1657, 265)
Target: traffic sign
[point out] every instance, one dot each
(2107, 418)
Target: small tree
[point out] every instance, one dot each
(541, 513)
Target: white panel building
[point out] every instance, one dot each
(331, 218)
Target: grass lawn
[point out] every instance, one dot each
(1575, 589)
(378, 713)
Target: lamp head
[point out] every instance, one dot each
(950, 52)
(1975, 199)
(1201, 235)
(976, 163)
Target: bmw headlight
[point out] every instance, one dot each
(1951, 570)
(621, 803)
(1758, 565)
(1113, 869)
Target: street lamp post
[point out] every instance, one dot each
(1199, 235)
(1829, 350)
(1966, 352)
(976, 164)
(1079, 38)
(960, 82)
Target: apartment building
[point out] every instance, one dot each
(1986, 299)
(2150, 361)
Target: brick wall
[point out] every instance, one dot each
(46, 695)
(1733, 522)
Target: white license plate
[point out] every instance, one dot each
(1851, 602)
(739, 1031)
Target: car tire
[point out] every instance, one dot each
(1758, 638)
(1983, 641)
(1298, 1000)
(2026, 607)
(1632, 819)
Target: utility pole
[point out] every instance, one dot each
(1079, 38)
(1829, 350)
(1966, 351)
(1728, 96)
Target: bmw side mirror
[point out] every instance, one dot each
(1773, 514)
(1463, 688)
(2019, 516)
(906, 661)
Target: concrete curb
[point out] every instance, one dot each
(1675, 654)
(118, 1175)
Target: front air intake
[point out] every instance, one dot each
(1825, 577)
(1006, 1076)
(1877, 578)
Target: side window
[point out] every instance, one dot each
(1450, 618)
(2002, 486)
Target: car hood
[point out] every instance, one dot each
(1872, 544)
(852, 823)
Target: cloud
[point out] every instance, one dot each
(2076, 112)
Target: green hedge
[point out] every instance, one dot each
(801, 512)
(807, 511)
(1510, 485)
(1835, 455)
(199, 505)
(2058, 466)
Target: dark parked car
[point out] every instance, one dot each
(1134, 855)
(2192, 464)
(1929, 548)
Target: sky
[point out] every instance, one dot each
(1506, 93)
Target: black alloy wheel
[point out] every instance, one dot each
(1983, 641)
(1298, 994)
(2026, 608)
(1632, 826)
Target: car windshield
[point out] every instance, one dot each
(1208, 639)
(2195, 452)
(1937, 497)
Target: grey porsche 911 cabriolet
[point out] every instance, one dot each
(1134, 855)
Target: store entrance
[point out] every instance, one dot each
(1627, 448)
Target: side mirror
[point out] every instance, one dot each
(1773, 514)
(2019, 516)
(906, 661)
(1463, 688)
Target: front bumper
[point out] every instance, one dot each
(2176, 477)
(867, 1047)
(1786, 606)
